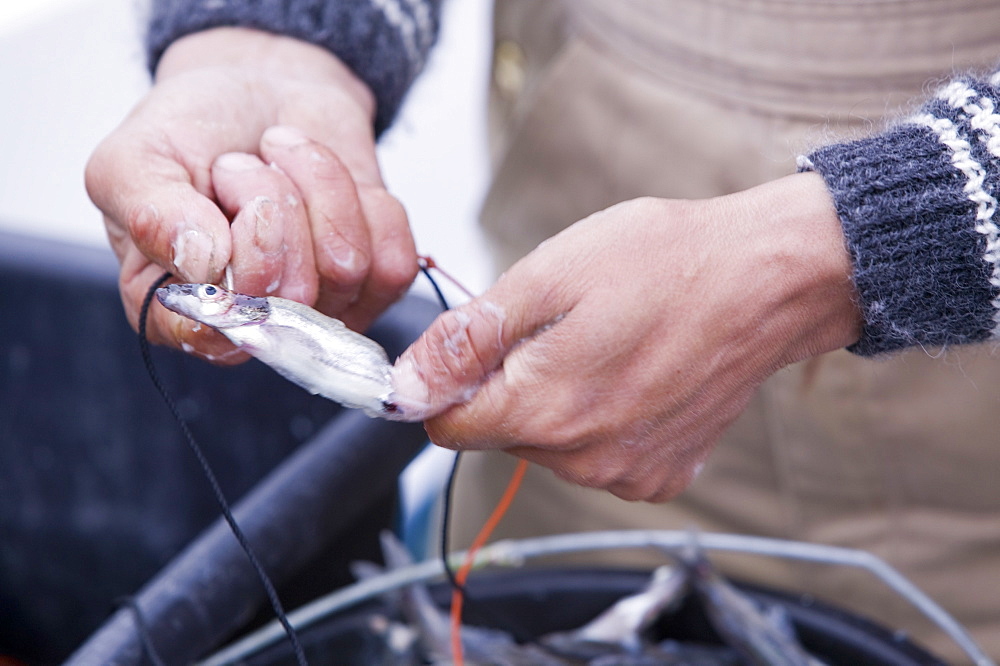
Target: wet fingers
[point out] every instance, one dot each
(393, 261)
(272, 246)
(151, 202)
(342, 251)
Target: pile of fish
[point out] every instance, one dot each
(753, 634)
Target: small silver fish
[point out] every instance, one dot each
(621, 626)
(317, 352)
(764, 636)
(482, 646)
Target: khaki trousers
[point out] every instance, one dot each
(598, 102)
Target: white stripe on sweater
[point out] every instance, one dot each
(422, 15)
(986, 205)
(982, 112)
(404, 25)
(984, 119)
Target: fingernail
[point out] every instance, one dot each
(238, 162)
(266, 238)
(283, 135)
(263, 211)
(192, 251)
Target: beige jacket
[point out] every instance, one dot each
(598, 102)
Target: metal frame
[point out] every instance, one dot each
(512, 553)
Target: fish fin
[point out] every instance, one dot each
(779, 619)
(393, 551)
(419, 610)
(365, 570)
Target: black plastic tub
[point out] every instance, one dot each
(101, 499)
(534, 602)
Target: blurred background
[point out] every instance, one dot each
(70, 70)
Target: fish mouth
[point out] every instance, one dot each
(185, 300)
(178, 298)
(171, 296)
(398, 408)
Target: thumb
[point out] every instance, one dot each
(464, 346)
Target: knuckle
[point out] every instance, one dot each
(102, 162)
(662, 495)
(647, 205)
(627, 492)
(551, 434)
(156, 240)
(590, 468)
(588, 475)
(95, 175)
(664, 490)
(552, 419)
(666, 480)
(143, 223)
(130, 305)
(443, 435)
(341, 244)
(647, 485)
(397, 273)
(653, 486)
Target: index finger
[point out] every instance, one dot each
(159, 220)
(153, 200)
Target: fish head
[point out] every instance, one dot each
(212, 305)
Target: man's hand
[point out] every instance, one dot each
(254, 151)
(617, 352)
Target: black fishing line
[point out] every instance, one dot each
(144, 636)
(473, 608)
(425, 269)
(265, 580)
(446, 525)
(449, 485)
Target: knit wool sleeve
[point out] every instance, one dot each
(918, 204)
(385, 42)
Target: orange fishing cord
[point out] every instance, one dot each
(470, 556)
(502, 506)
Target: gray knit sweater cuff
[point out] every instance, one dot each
(385, 42)
(918, 205)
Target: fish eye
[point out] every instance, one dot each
(210, 290)
(207, 290)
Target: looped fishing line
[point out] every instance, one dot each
(265, 580)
